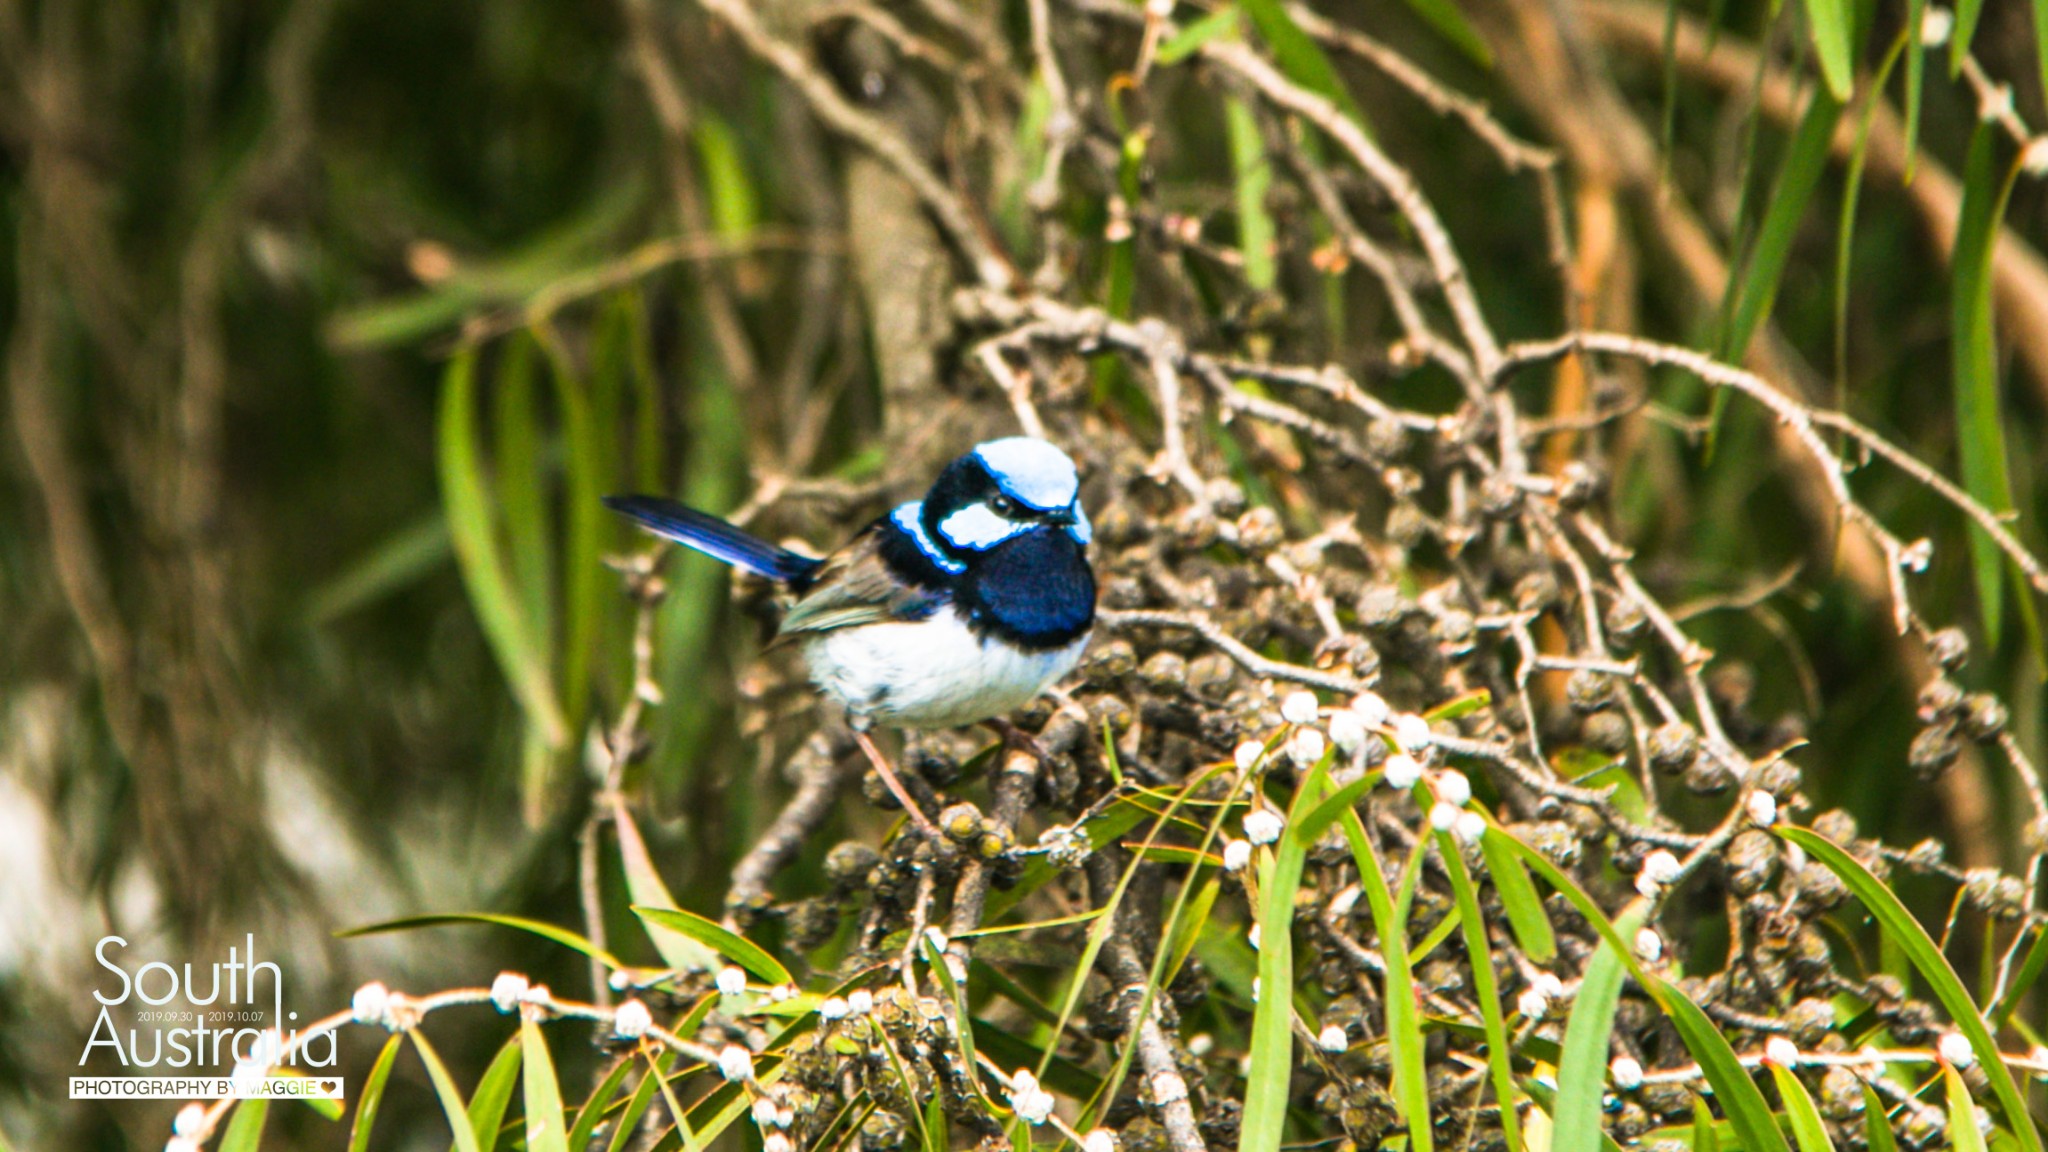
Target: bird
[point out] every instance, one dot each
(945, 611)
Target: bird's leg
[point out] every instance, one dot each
(894, 784)
(1016, 739)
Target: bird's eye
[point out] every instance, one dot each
(1003, 506)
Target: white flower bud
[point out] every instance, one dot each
(181, 1144)
(1532, 1004)
(834, 1008)
(860, 1002)
(1299, 708)
(1762, 806)
(1443, 817)
(1955, 1048)
(1347, 731)
(1201, 1044)
(1471, 827)
(1454, 788)
(1402, 771)
(372, 1003)
(2034, 157)
(1661, 866)
(782, 993)
(735, 1063)
(191, 1121)
(936, 939)
(632, 1020)
(1099, 1140)
(1236, 854)
(731, 981)
(1411, 731)
(1156, 10)
(1252, 937)
(1263, 826)
(1306, 747)
(1548, 984)
(1332, 1038)
(1247, 755)
(1649, 946)
(777, 1142)
(764, 1111)
(1780, 1051)
(1936, 26)
(1370, 709)
(1627, 1073)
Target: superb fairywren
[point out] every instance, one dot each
(949, 610)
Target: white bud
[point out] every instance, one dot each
(191, 1121)
(1411, 731)
(1034, 1108)
(1306, 747)
(1532, 1004)
(1443, 817)
(1649, 946)
(1795, 856)
(2034, 157)
(1169, 1088)
(248, 1077)
(1936, 26)
(731, 981)
(1661, 866)
(764, 1111)
(834, 1008)
(1247, 755)
(372, 1003)
(1348, 731)
(1647, 886)
(1402, 771)
(1236, 854)
(1099, 1140)
(860, 1002)
(1253, 937)
(1548, 984)
(1263, 826)
(782, 993)
(936, 939)
(1955, 1048)
(1780, 1051)
(537, 995)
(1201, 1044)
(181, 1144)
(1158, 9)
(1471, 827)
(735, 1063)
(618, 981)
(1370, 709)
(1762, 806)
(632, 1020)
(1627, 1073)
(1454, 788)
(1915, 557)
(1332, 1038)
(1255, 989)
(1995, 104)
(777, 1142)
(1299, 708)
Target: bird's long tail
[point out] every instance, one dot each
(716, 538)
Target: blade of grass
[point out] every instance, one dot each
(1833, 30)
(1877, 1124)
(1582, 1073)
(627, 1130)
(493, 1093)
(445, 1090)
(1299, 56)
(539, 928)
(372, 1098)
(483, 571)
(1933, 967)
(588, 458)
(1272, 1048)
(1967, 13)
(546, 1131)
(1801, 1115)
(1485, 989)
(597, 1104)
(1518, 898)
(1852, 191)
(645, 885)
(1964, 1135)
(1252, 177)
(1805, 161)
(245, 1131)
(734, 947)
(1404, 1025)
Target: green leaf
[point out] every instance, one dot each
(1877, 1124)
(1805, 161)
(470, 525)
(679, 950)
(1926, 957)
(1967, 12)
(1852, 191)
(732, 946)
(1404, 1023)
(1518, 898)
(1300, 57)
(1272, 1043)
(445, 1090)
(245, 1131)
(583, 574)
(1800, 1113)
(1190, 38)
(493, 1092)
(546, 1131)
(2029, 971)
(372, 1097)
(628, 1126)
(1582, 1073)
(1916, 73)
(1974, 340)
(1963, 1133)
(1443, 15)
(1252, 176)
(1704, 1137)
(729, 192)
(1748, 1112)
(539, 928)
(402, 559)
(1485, 990)
(1833, 27)
(599, 1102)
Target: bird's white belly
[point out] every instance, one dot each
(933, 673)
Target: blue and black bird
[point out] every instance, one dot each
(950, 610)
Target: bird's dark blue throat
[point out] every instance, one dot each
(1034, 590)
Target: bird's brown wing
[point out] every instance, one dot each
(856, 587)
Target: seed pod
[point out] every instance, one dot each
(1225, 495)
(1927, 855)
(1382, 608)
(1110, 662)
(1194, 529)
(1836, 825)
(847, 865)
(1210, 675)
(962, 823)
(1164, 672)
(1809, 1021)
(1609, 732)
(1950, 648)
(1706, 776)
(1385, 440)
(1841, 1097)
(1983, 717)
(1407, 526)
(1752, 860)
(1625, 623)
(881, 1130)
(1780, 778)
(1939, 698)
(1673, 746)
(1499, 498)
(1536, 591)
(1588, 691)
(1259, 531)
(1581, 485)
(1933, 750)
(1455, 628)
(809, 923)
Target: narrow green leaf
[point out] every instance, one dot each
(1704, 1136)
(1808, 1132)
(599, 1102)
(1485, 990)
(734, 947)
(1912, 939)
(483, 569)
(1877, 1123)
(680, 950)
(1833, 28)
(245, 1131)
(1443, 15)
(1190, 38)
(402, 559)
(2040, 11)
(1404, 1023)
(589, 457)
(1582, 1073)
(1974, 340)
(1190, 927)
(539, 928)
(1518, 898)
(1272, 1043)
(522, 484)
(1916, 75)
(2029, 971)
(729, 192)
(1963, 1133)
(1805, 161)
(1252, 174)
(372, 1096)
(493, 1093)
(1852, 190)
(1967, 13)
(1748, 1112)
(445, 1090)
(628, 1125)
(1299, 56)
(546, 1131)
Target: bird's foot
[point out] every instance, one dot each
(1015, 739)
(894, 783)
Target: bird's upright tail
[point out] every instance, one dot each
(716, 538)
